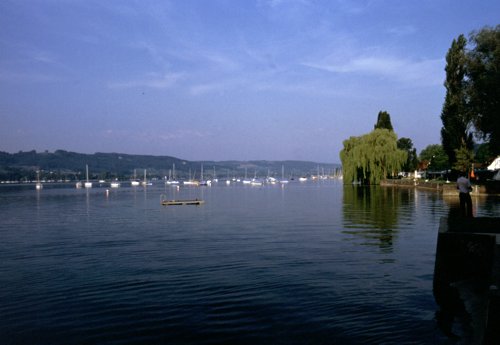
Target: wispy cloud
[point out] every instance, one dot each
(156, 55)
(426, 71)
(154, 81)
(352, 7)
(28, 78)
(404, 30)
(201, 88)
(45, 57)
(152, 136)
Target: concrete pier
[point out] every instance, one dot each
(467, 278)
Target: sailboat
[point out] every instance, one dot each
(269, 178)
(145, 182)
(202, 180)
(39, 184)
(87, 183)
(215, 179)
(192, 182)
(173, 180)
(283, 180)
(134, 182)
(246, 180)
(256, 181)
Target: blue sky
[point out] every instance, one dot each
(224, 79)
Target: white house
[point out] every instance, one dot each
(495, 165)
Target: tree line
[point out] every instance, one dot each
(64, 165)
(471, 110)
(470, 135)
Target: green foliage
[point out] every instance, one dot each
(371, 157)
(406, 144)
(483, 72)
(472, 103)
(483, 154)
(465, 158)
(435, 156)
(383, 121)
(455, 114)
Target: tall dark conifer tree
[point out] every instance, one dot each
(406, 145)
(455, 115)
(384, 121)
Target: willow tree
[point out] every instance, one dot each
(371, 157)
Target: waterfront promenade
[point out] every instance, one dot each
(447, 188)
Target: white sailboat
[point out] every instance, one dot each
(145, 182)
(256, 181)
(202, 180)
(38, 184)
(191, 181)
(246, 180)
(173, 180)
(215, 179)
(134, 182)
(87, 183)
(283, 180)
(270, 179)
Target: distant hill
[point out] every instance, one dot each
(71, 165)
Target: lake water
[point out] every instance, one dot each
(309, 263)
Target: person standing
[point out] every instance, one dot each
(464, 187)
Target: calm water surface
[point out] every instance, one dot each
(310, 263)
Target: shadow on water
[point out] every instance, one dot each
(372, 213)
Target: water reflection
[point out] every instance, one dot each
(372, 213)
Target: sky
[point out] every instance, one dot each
(225, 79)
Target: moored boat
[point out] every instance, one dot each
(38, 184)
(135, 182)
(146, 182)
(87, 183)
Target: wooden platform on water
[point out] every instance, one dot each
(195, 202)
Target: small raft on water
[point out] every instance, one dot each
(166, 202)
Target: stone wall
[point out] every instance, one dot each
(447, 188)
